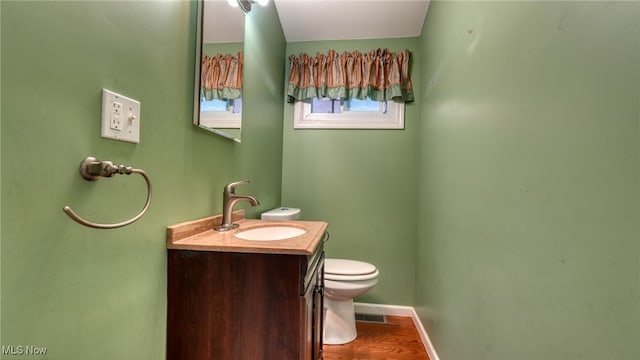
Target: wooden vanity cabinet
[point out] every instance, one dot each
(231, 305)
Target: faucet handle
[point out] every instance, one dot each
(230, 187)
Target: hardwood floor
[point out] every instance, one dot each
(398, 339)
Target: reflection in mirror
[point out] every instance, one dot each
(219, 60)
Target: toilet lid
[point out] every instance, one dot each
(348, 267)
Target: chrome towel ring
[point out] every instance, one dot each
(91, 169)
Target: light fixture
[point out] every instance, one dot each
(245, 5)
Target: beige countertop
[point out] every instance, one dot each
(199, 235)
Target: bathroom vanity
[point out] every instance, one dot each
(230, 298)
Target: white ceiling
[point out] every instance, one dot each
(308, 20)
(222, 23)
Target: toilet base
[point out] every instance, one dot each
(339, 321)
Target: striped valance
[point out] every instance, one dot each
(378, 74)
(221, 76)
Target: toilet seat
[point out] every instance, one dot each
(349, 270)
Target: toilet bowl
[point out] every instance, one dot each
(344, 280)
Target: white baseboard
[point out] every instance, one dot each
(396, 310)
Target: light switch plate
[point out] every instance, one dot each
(120, 117)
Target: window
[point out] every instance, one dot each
(223, 114)
(348, 114)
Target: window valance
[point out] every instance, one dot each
(379, 74)
(221, 76)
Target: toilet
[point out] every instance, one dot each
(344, 280)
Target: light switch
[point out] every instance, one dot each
(120, 117)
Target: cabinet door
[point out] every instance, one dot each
(318, 311)
(308, 324)
(234, 306)
(314, 313)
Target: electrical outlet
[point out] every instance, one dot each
(116, 115)
(120, 117)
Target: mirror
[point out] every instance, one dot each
(218, 75)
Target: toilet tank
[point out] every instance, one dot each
(281, 213)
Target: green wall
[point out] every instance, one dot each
(213, 49)
(100, 294)
(506, 212)
(363, 182)
(529, 201)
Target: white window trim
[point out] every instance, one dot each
(220, 119)
(393, 118)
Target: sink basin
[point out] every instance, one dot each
(270, 233)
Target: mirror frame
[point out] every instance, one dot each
(198, 61)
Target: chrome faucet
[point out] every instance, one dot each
(229, 199)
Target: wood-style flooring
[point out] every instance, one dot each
(398, 339)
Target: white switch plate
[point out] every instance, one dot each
(120, 117)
